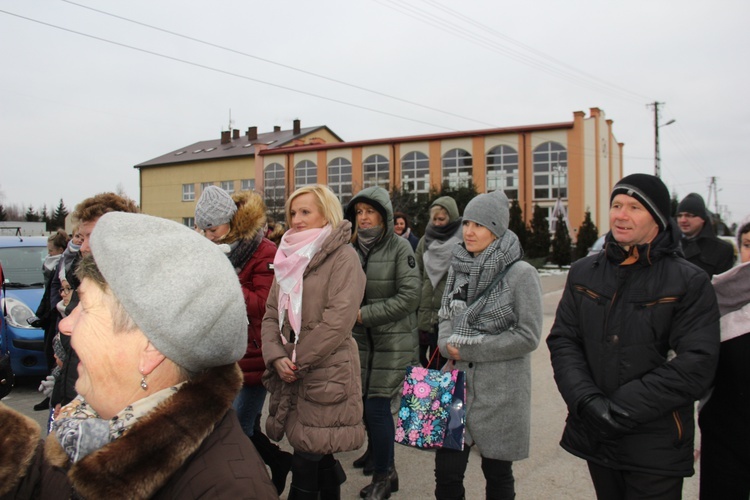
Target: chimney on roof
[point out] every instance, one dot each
(225, 137)
(252, 133)
(276, 128)
(297, 127)
(235, 133)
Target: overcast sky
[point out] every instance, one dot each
(85, 95)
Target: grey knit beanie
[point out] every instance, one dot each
(214, 208)
(490, 210)
(177, 286)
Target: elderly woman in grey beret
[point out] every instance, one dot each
(160, 325)
(490, 322)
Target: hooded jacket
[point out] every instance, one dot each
(429, 304)
(387, 336)
(321, 412)
(644, 333)
(255, 275)
(190, 446)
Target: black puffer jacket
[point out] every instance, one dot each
(645, 335)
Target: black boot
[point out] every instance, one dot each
(278, 460)
(392, 475)
(300, 494)
(44, 405)
(361, 461)
(330, 480)
(381, 487)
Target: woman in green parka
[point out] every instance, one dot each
(433, 254)
(386, 329)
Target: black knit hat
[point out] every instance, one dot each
(693, 204)
(649, 190)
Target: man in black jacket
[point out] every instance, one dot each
(634, 344)
(699, 243)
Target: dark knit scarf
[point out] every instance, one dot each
(440, 233)
(367, 238)
(474, 314)
(242, 250)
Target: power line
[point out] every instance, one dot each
(450, 27)
(225, 72)
(276, 63)
(528, 48)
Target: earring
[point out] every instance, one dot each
(144, 384)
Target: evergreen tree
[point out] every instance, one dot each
(674, 202)
(539, 238)
(462, 194)
(44, 217)
(587, 235)
(516, 223)
(59, 216)
(3, 214)
(31, 215)
(561, 243)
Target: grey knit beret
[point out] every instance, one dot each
(177, 286)
(214, 208)
(491, 210)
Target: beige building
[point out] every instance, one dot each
(579, 161)
(171, 184)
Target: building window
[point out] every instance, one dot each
(502, 170)
(189, 222)
(376, 172)
(228, 186)
(273, 187)
(188, 192)
(305, 173)
(247, 184)
(550, 171)
(457, 168)
(340, 179)
(204, 185)
(415, 173)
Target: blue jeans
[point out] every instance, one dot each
(248, 404)
(381, 432)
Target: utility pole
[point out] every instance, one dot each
(657, 158)
(713, 190)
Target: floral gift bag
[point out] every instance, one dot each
(432, 412)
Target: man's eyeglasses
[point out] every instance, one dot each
(66, 290)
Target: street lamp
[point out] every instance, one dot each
(657, 158)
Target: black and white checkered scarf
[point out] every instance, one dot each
(491, 314)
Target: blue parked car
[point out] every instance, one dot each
(22, 258)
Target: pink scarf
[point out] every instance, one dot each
(296, 250)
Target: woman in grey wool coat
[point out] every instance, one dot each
(489, 330)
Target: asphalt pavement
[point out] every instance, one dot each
(549, 472)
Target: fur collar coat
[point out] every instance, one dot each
(190, 446)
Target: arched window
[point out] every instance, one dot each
(550, 171)
(376, 172)
(457, 168)
(273, 187)
(415, 173)
(340, 179)
(306, 172)
(502, 171)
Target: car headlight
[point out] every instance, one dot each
(16, 313)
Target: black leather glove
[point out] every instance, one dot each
(607, 419)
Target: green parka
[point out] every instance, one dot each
(387, 336)
(429, 304)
